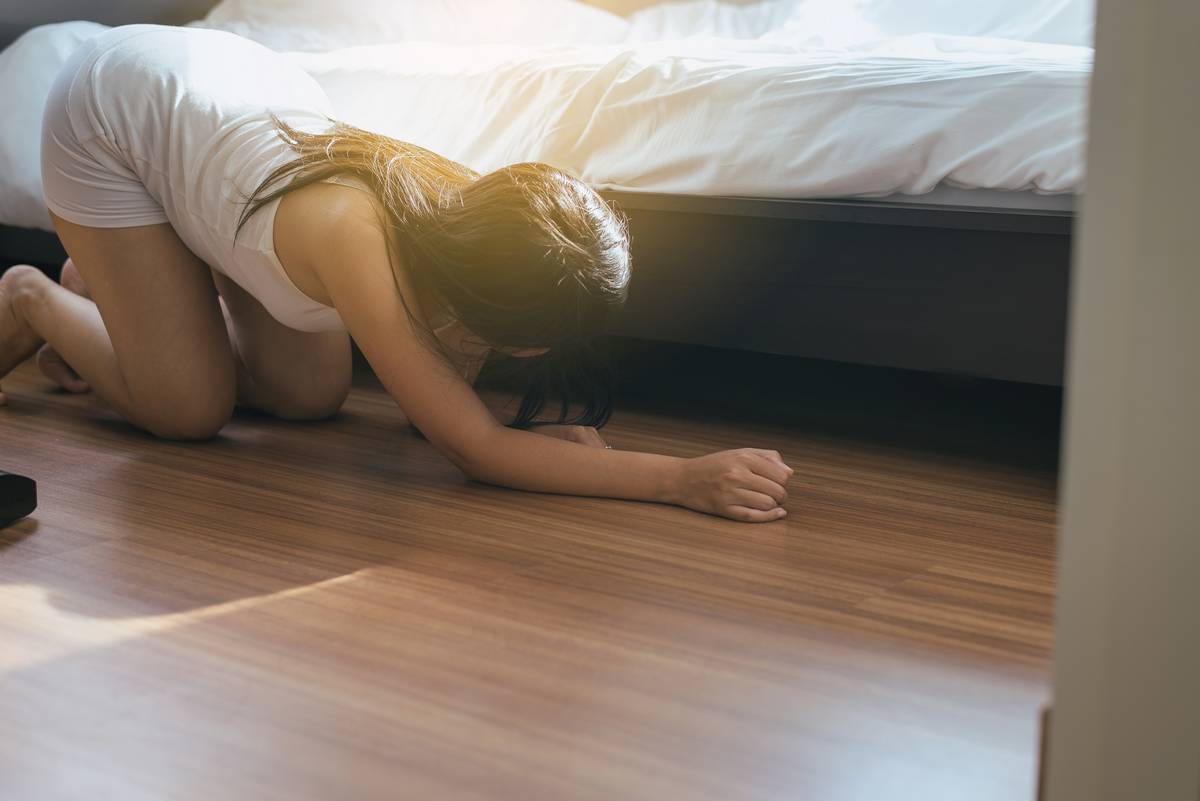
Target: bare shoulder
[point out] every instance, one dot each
(314, 213)
(323, 225)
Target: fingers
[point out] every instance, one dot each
(768, 486)
(590, 436)
(750, 515)
(768, 454)
(767, 465)
(584, 435)
(770, 465)
(755, 500)
(763, 492)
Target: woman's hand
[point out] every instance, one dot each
(584, 435)
(747, 484)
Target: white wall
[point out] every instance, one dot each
(1127, 670)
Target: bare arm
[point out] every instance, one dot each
(470, 368)
(356, 274)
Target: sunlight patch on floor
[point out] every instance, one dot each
(35, 631)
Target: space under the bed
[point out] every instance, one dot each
(971, 291)
(30, 246)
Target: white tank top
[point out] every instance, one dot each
(190, 109)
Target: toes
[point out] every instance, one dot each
(58, 371)
(73, 383)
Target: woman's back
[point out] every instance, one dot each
(188, 112)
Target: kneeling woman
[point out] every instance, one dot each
(226, 240)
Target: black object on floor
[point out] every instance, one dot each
(18, 497)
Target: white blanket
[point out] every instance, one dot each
(734, 117)
(780, 98)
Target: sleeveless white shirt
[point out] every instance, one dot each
(185, 113)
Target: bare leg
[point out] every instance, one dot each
(52, 365)
(18, 340)
(291, 374)
(153, 344)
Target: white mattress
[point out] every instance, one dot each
(751, 100)
(734, 117)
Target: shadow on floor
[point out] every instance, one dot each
(1001, 422)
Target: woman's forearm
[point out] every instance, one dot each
(527, 461)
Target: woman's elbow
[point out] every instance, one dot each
(471, 457)
(468, 466)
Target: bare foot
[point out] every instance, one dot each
(52, 365)
(57, 370)
(17, 340)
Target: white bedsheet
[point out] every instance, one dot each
(736, 117)
(771, 100)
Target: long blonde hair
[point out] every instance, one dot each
(525, 256)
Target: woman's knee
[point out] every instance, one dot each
(194, 423)
(185, 413)
(311, 403)
(313, 389)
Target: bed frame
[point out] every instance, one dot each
(962, 290)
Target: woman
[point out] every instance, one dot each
(227, 239)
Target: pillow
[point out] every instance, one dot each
(318, 25)
(28, 68)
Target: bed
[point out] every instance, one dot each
(886, 188)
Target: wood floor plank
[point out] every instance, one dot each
(330, 611)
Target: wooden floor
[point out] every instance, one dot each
(331, 612)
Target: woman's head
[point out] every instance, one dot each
(527, 258)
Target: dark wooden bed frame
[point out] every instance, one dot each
(963, 290)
